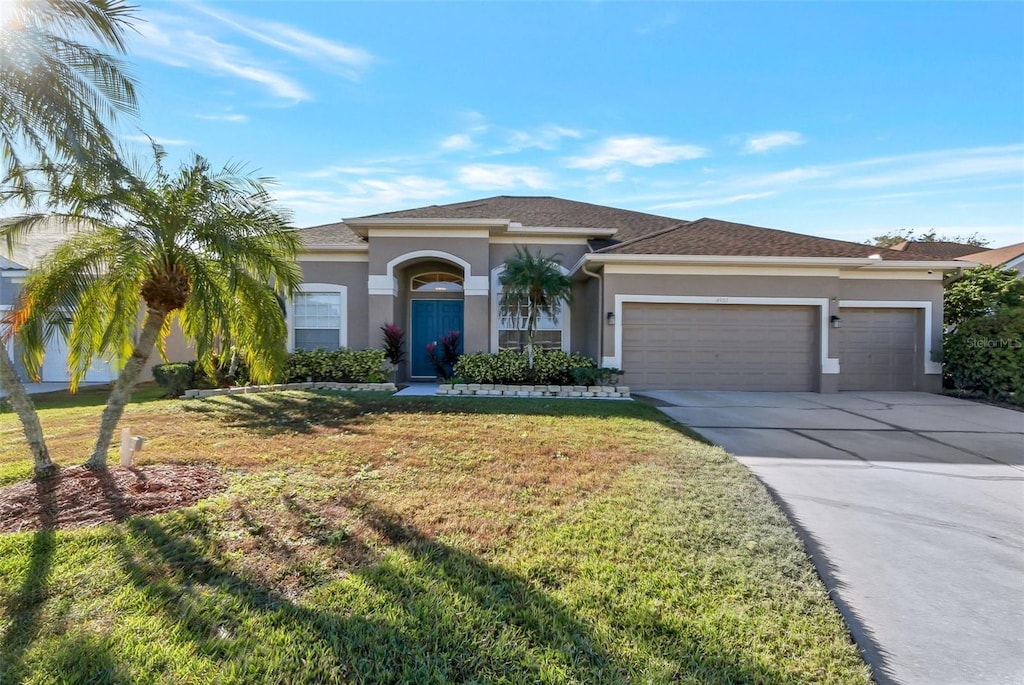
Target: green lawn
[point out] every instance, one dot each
(374, 539)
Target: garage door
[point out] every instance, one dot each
(55, 365)
(877, 349)
(709, 347)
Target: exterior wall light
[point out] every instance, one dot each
(836, 321)
(610, 318)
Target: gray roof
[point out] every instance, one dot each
(542, 211)
(6, 263)
(936, 248)
(329, 234)
(716, 237)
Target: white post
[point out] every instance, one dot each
(127, 447)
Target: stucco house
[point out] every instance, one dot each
(703, 304)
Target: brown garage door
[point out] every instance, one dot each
(710, 347)
(878, 349)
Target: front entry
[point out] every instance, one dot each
(431, 320)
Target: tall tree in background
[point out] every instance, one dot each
(198, 245)
(910, 235)
(980, 292)
(58, 99)
(533, 285)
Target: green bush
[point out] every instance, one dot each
(986, 355)
(174, 378)
(509, 367)
(596, 376)
(337, 366)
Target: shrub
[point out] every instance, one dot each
(445, 359)
(554, 367)
(505, 367)
(510, 367)
(175, 378)
(986, 355)
(337, 366)
(394, 343)
(596, 376)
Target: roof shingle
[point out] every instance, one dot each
(724, 238)
(936, 248)
(329, 234)
(1000, 255)
(542, 211)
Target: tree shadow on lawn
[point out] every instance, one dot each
(305, 412)
(24, 608)
(434, 614)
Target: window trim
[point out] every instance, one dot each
(566, 311)
(313, 288)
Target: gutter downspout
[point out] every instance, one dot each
(600, 309)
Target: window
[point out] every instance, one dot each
(437, 281)
(552, 333)
(547, 335)
(318, 319)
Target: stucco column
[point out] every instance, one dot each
(381, 311)
(476, 324)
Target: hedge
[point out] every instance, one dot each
(986, 355)
(175, 378)
(337, 366)
(552, 367)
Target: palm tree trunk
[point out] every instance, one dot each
(531, 323)
(26, 410)
(123, 386)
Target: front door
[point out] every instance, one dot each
(431, 320)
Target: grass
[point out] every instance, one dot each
(368, 539)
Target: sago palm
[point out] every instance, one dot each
(533, 285)
(205, 247)
(58, 98)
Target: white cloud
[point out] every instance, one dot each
(546, 137)
(459, 141)
(932, 167)
(644, 151)
(350, 61)
(661, 23)
(318, 205)
(502, 177)
(764, 142)
(714, 201)
(228, 118)
(167, 39)
(166, 142)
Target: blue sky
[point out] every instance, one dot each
(845, 120)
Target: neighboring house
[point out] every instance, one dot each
(706, 304)
(1009, 257)
(935, 248)
(24, 257)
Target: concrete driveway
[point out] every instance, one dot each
(912, 506)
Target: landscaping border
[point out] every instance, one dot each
(246, 389)
(493, 390)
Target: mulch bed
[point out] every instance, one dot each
(79, 497)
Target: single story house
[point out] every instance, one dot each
(705, 304)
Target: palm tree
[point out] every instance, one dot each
(533, 285)
(58, 97)
(207, 248)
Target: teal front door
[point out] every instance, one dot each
(431, 320)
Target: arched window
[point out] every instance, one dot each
(437, 281)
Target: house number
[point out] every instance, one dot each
(721, 299)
